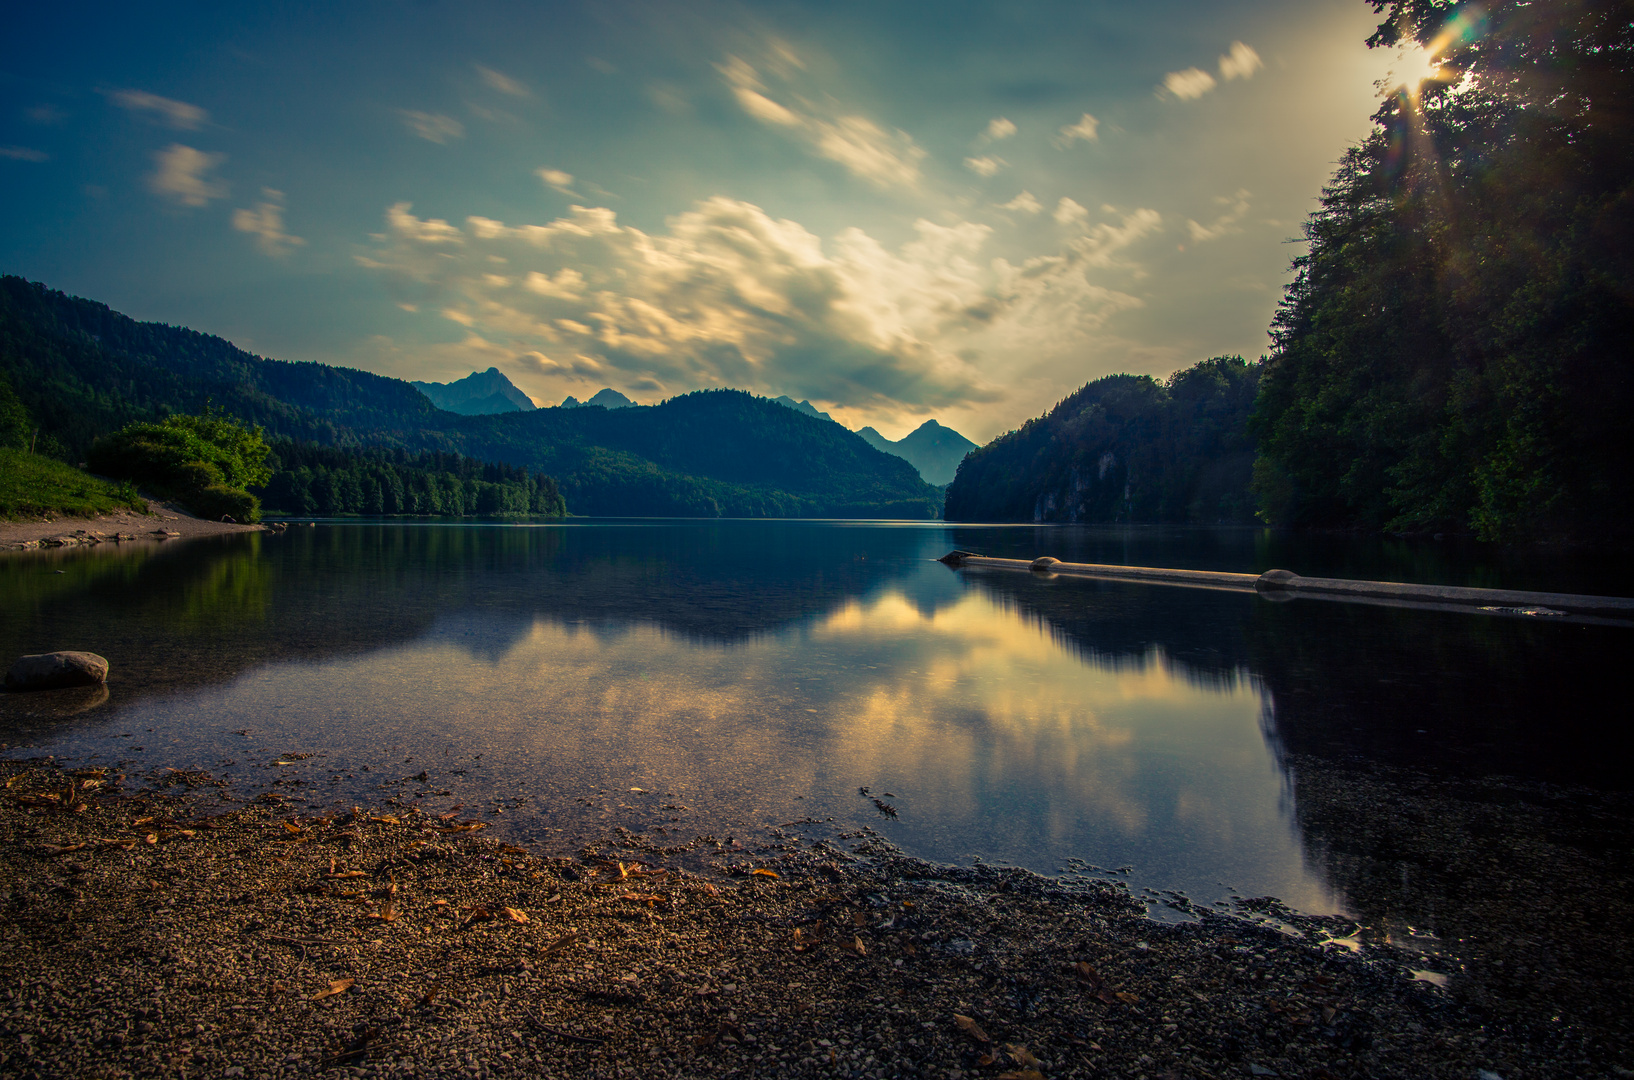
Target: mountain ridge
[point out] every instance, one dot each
(479, 393)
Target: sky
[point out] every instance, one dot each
(899, 211)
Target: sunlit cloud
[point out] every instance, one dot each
(986, 165)
(504, 84)
(1188, 85)
(23, 153)
(1000, 128)
(432, 127)
(861, 146)
(177, 114)
(1240, 62)
(1087, 129)
(266, 223)
(1236, 209)
(182, 175)
(1024, 203)
(729, 296)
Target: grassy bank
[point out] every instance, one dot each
(33, 486)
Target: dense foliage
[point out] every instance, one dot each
(206, 462)
(1125, 448)
(309, 479)
(84, 371)
(16, 426)
(1454, 351)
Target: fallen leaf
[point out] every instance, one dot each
(293, 828)
(339, 986)
(386, 914)
(1023, 1057)
(1127, 998)
(559, 944)
(346, 874)
(151, 838)
(857, 946)
(386, 819)
(1022, 1074)
(763, 873)
(516, 916)
(59, 849)
(971, 1028)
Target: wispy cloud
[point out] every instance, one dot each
(1068, 212)
(1087, 129)
(1000, 128)
(1188, 85)
(1024, 203)
(266, 223)
(433, 127)
(986, 165)
(182, 175)
(556, 178)
(498, 80)
(1240, 63)
(865, 149)
(177, 114)
(1236, 209)
(23, 153)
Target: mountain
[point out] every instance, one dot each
(931, 448)
(1125, 448)
(478, 394)
(803, 406)
(607, 398)
(83, 370)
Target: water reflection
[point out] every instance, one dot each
(756, 673)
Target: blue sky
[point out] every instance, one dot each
(897, 210)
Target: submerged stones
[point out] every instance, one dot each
(56, 670)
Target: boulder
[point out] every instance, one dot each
(53, 671)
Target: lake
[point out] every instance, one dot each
(748, 680)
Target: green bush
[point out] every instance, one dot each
(218, 500)
(204, 462)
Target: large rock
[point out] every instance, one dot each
(55, 670)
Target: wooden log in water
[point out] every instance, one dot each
(1277, 584)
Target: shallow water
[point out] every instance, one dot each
(729, 677)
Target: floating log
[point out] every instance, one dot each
(1285, 584)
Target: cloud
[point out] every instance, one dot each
(727, 295)
(1068, 212)
(1023, 204)
(433, 127)
(1236, 209)
(864, 148)
(1000, 128)
(182, 175)
(1188, 85)
(1085, 129)
(45, 114)
(266, 224)
(503, 83)
(23, 153)
(1240, 63)
(556, 178)
(177, 114)
(986, 165)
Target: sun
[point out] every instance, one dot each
(1414, 66)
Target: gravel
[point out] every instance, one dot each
(162, 932)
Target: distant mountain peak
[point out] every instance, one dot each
(607, 398)
(802, 406)
(934, 449)
(478, 394)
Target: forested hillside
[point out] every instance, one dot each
(309, 479)
(1125, 448)
(81, 370)
(1455, 349)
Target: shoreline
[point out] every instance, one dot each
(164, 522)
(172, 931)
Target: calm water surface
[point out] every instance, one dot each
(746, 674)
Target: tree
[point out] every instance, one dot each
(1454, 349)
(205, 462)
